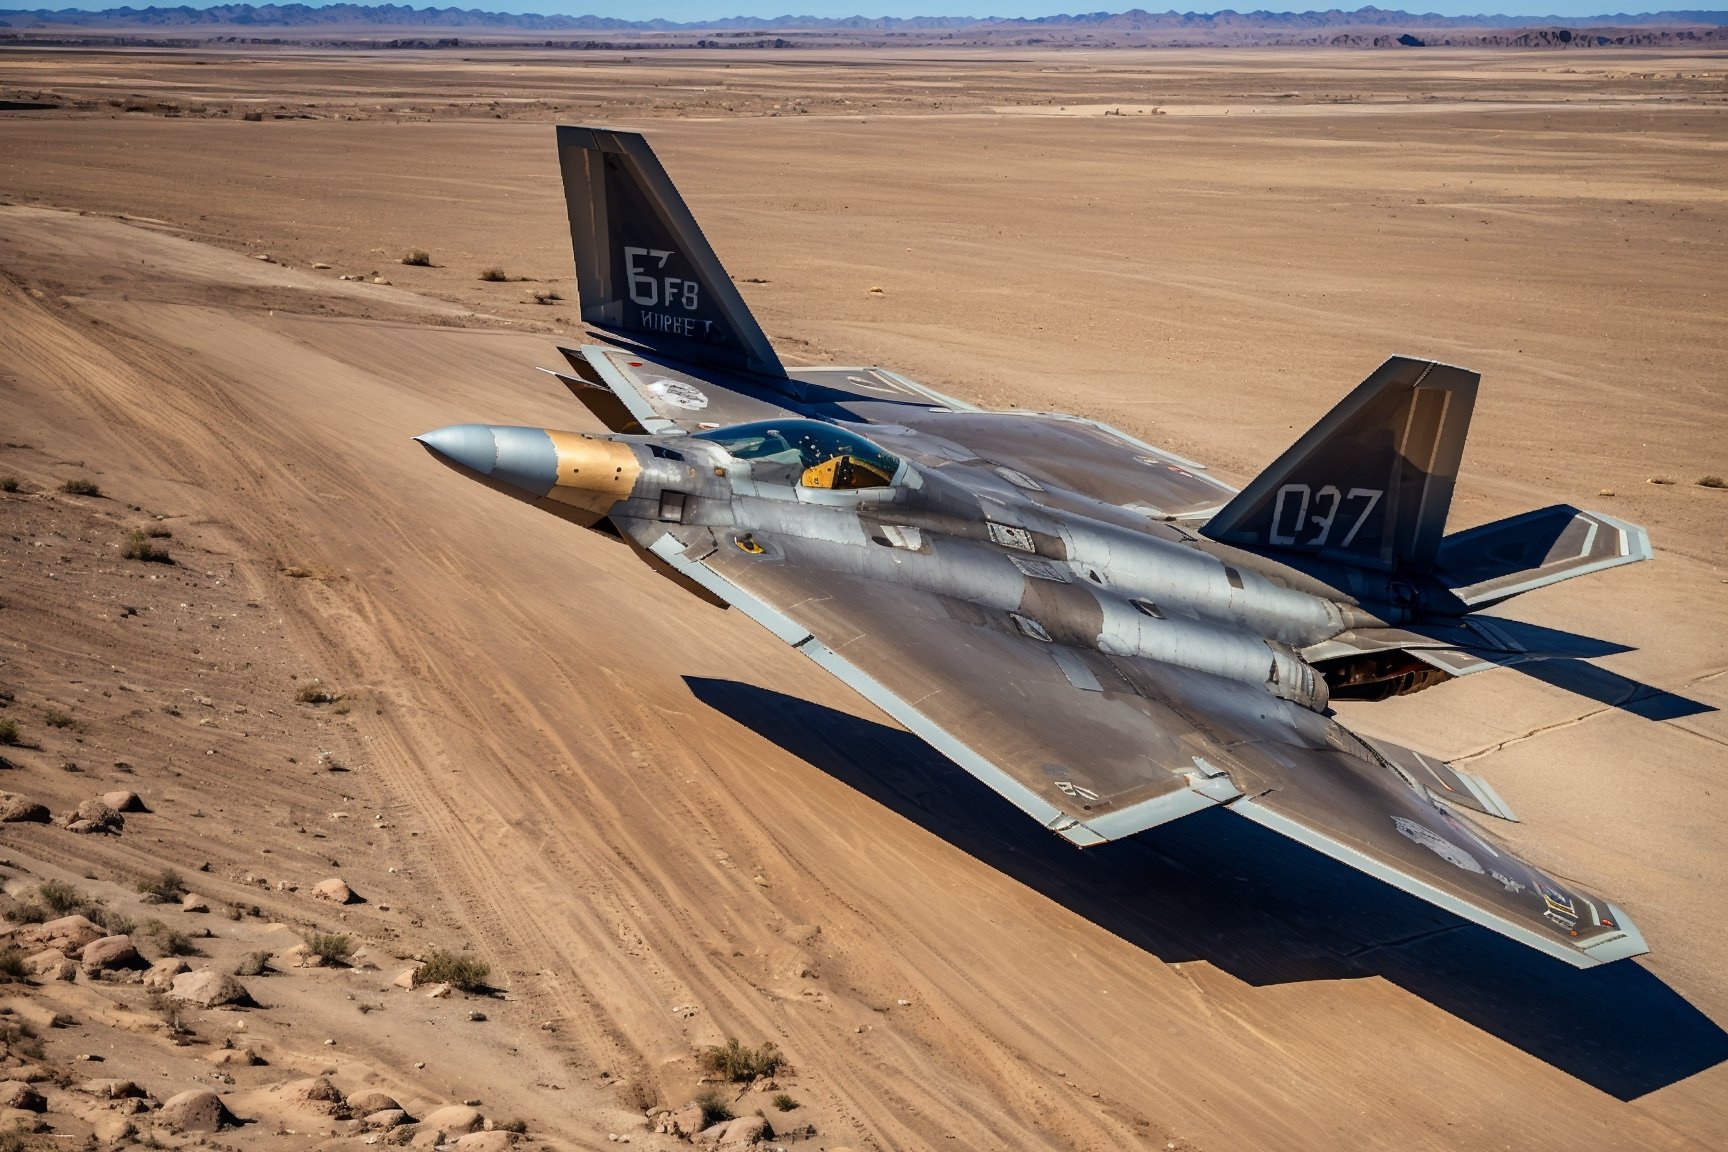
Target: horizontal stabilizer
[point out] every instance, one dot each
(1494, 562)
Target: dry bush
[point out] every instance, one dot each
(166, 940)
(1712, 482)
(441, 967)
(741, 1063)
(715, 1107)
(547, 297)
(9, 483)
(417, 258)
(314, 693)
(163, 889)
(138, 547)
(81, 487)
(56, 718)
(330, 946)
(9, 732)
(784, 1102)
(62, 898)
(493, 275)
(12, 965)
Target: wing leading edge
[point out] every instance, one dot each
(1097, 748)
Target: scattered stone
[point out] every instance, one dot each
(208, 988)
(370, 1100)
(17, 809)
(496, 1140)
(333, 890)
(316, 1093)
(66, 935)
(405, 979)
(385, 1119)
(110, 1089)
(264, 256)
(477, 1017)
(101, 814)
(192, 902)
(452, 1120)
(438, 991)
(244, 1057)
(745, 1130)
(160, 978)
(39, 1016)
(123, 801)
(109, 952)
(18, 1094)
(195, 1110)
(685, 1122)
(50, 964)
(322, 267)
(379, 280)
(85, 827)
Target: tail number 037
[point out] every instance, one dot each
(658, 291)
(1299, 509)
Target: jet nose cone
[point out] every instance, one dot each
(469, 445)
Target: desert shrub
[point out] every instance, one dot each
(784, 1102)
(1712, 482)
(252, 964)
(115, 923)
(8, 732)
(315, 693)
(138, 547)
(441, 967)
(493, 275)
(163, 888)
(518, 1126)
(60, 896)
(11, 964)
(330, 946)
(547, 297)
(81, 487)
(739, 1062)
(8, 483)
(158, 533)
(166, 940)
(715, 1108)
(20, 1038)
(417, 258)
(55, 718)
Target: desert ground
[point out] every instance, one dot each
(657, 826)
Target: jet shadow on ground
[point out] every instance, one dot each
(1265, 909)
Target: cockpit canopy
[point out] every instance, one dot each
(821, 455)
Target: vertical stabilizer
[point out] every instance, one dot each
(1371, 483)
(643, 267)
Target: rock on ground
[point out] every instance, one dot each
(104, 817)
(334, 890)
(452, 1120)
(316, 1093)
(123, 801)
(16, 809)
(195, 1110)
(494, 1141)
(685, 1122)
(160, 978)
(386, 1119)
(17, 1094)
(67, 935)
(109, 952)
(51, 964)
(208, 988)
(370, 1100)
(110, 1089)
(192, 902)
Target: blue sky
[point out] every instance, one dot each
(710, 9)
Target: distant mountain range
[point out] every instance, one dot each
(1135, 20)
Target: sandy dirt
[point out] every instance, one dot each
(662, 829)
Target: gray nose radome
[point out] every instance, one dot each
(520, 457)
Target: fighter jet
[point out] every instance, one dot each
(1097, 629)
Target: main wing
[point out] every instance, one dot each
(1098, 747)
